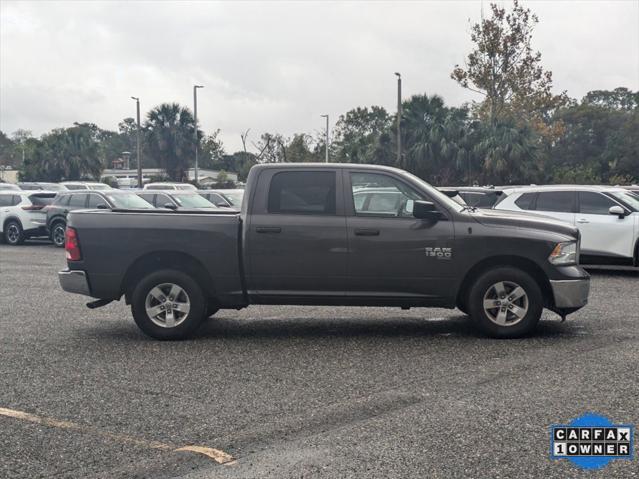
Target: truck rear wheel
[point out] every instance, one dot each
(168, 304)
(505, 303)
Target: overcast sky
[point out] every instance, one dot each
(275, 66)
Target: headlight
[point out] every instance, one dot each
(564, 253)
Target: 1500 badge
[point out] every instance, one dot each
(439, 253)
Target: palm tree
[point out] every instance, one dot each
(169, 130)
(435, 139)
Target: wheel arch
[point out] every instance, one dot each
(159, 260)
(9, 218)
(520, 262)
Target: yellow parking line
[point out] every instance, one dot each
(217, 455)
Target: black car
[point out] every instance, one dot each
(83, 199)
(477, 196)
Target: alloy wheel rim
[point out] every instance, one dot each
(505, 303)
(167, 305)
(58, 235)
(13, 233)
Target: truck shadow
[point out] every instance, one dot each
(454, 327)
(458, 326)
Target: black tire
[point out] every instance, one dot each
(486, 286)
(194, 296)
(13, 233)
(57, 233)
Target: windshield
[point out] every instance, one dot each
(192, 201)
(128, 201)
(628, 198)
(435, 193)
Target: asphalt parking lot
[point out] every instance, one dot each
(301, 391)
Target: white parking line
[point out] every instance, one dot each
(217, 455)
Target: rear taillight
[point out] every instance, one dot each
(72, 245)
(33, 207)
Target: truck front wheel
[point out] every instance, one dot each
(168, 304)
(505, 303)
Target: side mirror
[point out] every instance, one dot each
(426, 210)
(222, 204)
(170, 206)
(102, 206)
(617, 211)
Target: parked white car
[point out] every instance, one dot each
(607, 217)
(22, 214)
(85, 185)
(170, 186)
(9, 187)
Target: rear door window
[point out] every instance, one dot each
(42, 199)
(526, 201)
(556, 201)
(6, 200)
(95, 200)
(591, 203)
(78, 200)
(303, 193)
(62, 200)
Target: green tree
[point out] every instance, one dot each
(360, 136)
(435, 139)
(504, 69)
(600, 139)
(509, 153)
(7, 151)
(64, 154)
(212, 152)
(169, 130)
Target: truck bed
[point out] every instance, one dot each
(133, 237)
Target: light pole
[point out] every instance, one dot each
(197, 142)
(137, 110)
(399, 119)
(326, 116)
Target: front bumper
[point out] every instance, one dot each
(74, 281)
(571, 293)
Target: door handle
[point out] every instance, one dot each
(583, 220)
(268, 229)
(366, 232)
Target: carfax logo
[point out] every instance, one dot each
(591, 441)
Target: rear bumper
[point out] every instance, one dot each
(74, 281)
(572, 293)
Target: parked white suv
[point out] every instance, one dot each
(607, 217)
(22, 214)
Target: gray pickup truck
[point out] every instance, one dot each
(327, 234)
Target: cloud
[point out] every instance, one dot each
(274, 66)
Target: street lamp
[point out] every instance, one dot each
(326, 116)
(137, 108)
(197, 142)
(399, 119)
